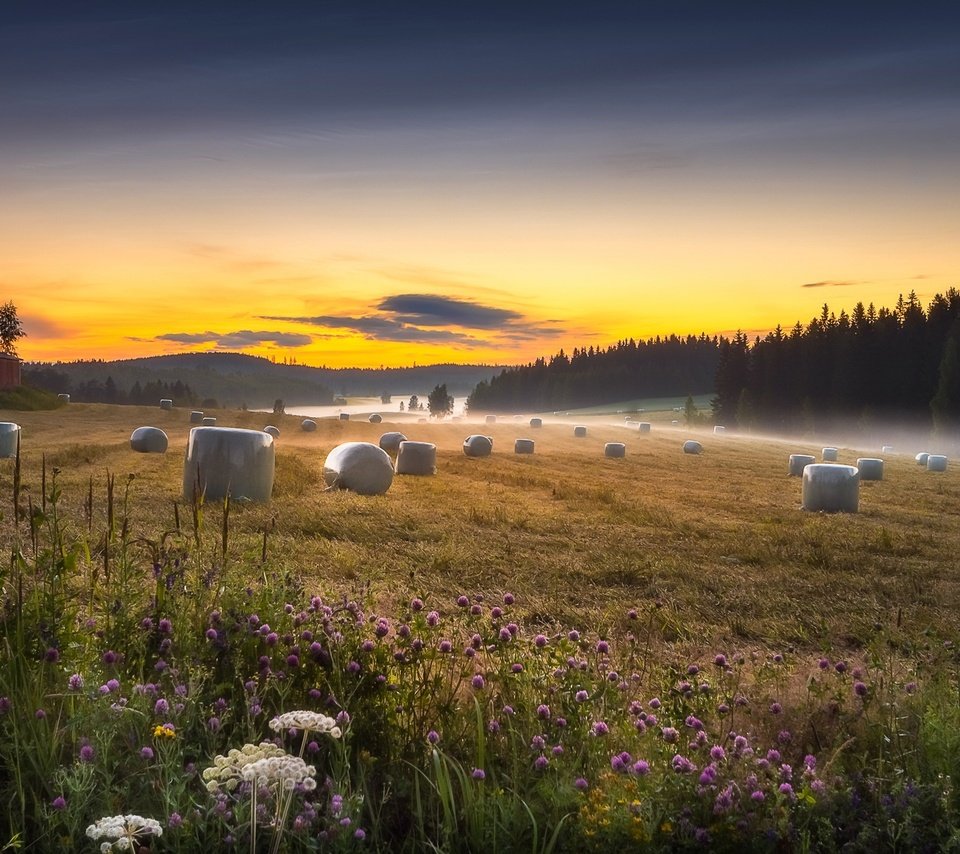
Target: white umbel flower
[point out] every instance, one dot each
(119, 832)
(307, 721)
(227, 771)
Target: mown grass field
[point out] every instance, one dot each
(718, 541)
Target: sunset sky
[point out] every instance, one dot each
(359, 183)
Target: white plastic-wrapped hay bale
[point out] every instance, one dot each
(643, 426)
(166, 403)
(208, 421)
(524, 446)
(223, 461)
(196, 417)
(375, 418)
(615, 450)
(273, 431)
(148, 440)
(536, 423)
(308, 425)
(936, 462)
(674, 423)
(65, 398)
(361, 467)
(922, 458)
(490, 419)
(886, 449)
(391, 441)
(477, 446)
(344, 416)
(417, 458)
(719, 430)
(692, 447)
(580, 431)
(829, 455)
(798, 462)
(9, 438)
(870, 468)
(831, 488)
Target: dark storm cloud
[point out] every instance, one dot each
(238, 340)
(382, 329)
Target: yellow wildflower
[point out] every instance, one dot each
(164, 731)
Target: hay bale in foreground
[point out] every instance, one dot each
(580, 432)
(643, 427)
(936, 462)
(524, 446)
(418, 458)
(208, 421)
(308, 425)
(615, 450)
(829, 455)
(196, 417)
(9, 438)
(391, 441)
(798, 462)
(831, 488)
(922, 458)
(375, 418)
(477, 446)
(166, 403)
(719, 430)
(344, 416)
(536, 423)
(870, 468)
(223, 461)
(273, 431)
(692, 447)
(360, 467)
(148, 440)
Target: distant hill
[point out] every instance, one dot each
(235, 380)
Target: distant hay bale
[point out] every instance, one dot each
(674, 423)
(391, 441)
(223, 461)
(831, 488)
(456, 419)
(886, 449)
(870, 468)
(208, 421)
(166, 403)
(375, 418)
(524, 446)
(490, 419)
(719, 430)
(148, 440)
(643, 426)
(615, 450)
(798, 462)
(9, 438)
(922, 458)
(580, 431)
(64, 397)
(360, 467)
(829, 455)
(196, 417)
(344, 416)
(936, 462)
(627, 418)
(477, 446)
(536, 423)
(308, 425)
(418, 458)
(692, 447)
(516, 418)
(273, 431)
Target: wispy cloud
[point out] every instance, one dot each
(829, 283)
(239, 340)
(431, 310)
(383, 329)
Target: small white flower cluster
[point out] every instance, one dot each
(307, 721)
(284, 770)
(227, 771)
(123, 830)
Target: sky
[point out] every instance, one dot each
(365, 184)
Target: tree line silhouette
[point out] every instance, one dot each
(94, 391)
(629, 369)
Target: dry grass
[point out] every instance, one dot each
(716, 543)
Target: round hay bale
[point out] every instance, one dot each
(922, 458)
(490, 419)
(375, 418)
(9, 438)
(477, 446)
(148, 440)
(936, 462)
(344, 416)
(166, 403)
(627, 419)
(831, 488)
(524, 446)
(580, 431)
(208, 421)
(223, 461)
(643, 426)
(615, 450)
(196, 417)
(886, 449)
(64, 397)
(536, 423)
(674, 423)
(391, 441)
(798, 462)
(692, 447)
(273, 431)
(417, 458)
(870, 468)
(361, 467)
(719, 430)
(829, 455)
(308, 425)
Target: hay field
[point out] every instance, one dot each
(715, 546)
